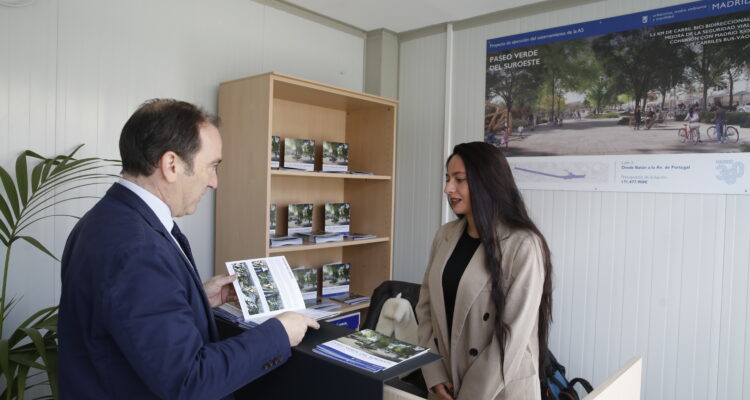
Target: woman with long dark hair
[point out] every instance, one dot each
(486, 298)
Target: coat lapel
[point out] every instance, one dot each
(450, 239)
(128, 197)
(473, 281)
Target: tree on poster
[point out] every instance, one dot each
(621, 85)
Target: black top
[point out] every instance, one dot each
(454, 270)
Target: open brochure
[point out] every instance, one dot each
(267, 287)
(369, 350)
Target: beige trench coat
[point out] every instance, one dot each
(471, 361)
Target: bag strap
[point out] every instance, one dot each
(586, 385)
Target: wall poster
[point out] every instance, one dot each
(628, 103)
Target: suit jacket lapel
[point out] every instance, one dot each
(128, 197)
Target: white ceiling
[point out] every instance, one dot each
(405, 15)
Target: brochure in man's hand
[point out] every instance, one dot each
(369, 350)
(267, 287)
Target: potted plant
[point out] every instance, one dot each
(40, 184)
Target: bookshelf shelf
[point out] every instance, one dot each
(254, 109)
(276, 251)
(328, 175)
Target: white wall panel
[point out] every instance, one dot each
(419, 154)
(72, 71)
(661, 276)
(312, 51)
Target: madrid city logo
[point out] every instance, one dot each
(729, 170)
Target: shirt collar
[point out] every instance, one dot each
(159, 207)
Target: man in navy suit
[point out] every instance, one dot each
(135, 320)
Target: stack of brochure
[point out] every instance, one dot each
(358, 236)
(369, 350)
(278, 241)
(321, 237)
(351, 298)
(325, 305)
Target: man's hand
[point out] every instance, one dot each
(219, 289)
(296, 325)
(444, 391)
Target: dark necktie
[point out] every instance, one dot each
(182, 240)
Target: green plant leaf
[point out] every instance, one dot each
(40, 315)
(52, 370)
(38, 341)
(28, 359)
(9, 305)
(5, 207)
(36, 176)
(48, 163)
(64, 159)
(23, 371)
(10, 191)
(38, 245)
(5, 233)
(22, 178)
(5, 358)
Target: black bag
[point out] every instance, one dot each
(554, 384)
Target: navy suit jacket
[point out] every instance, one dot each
(134, 320)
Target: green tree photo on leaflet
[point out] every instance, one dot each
(30, 350)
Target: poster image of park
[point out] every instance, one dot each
(666, 81)
(299, 154)
(250, 300)
(337, 217)
(299, 218)
(335, 279)
(268, 285)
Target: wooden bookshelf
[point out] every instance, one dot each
(254, 109)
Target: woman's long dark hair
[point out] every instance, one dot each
(495, 200)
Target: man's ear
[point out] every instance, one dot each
(169, 165)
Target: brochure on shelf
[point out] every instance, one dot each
(369, 350)
(325, 305)
(358, 236)
(275, 151)
(337, 217)
(299, 219)
(266, 287)
(321, 237)
(278, 241)
(351, 298)
(335, 157)
(299, 153)
(335, 279)
(272, 220)
(307, 280)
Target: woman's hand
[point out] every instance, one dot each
(444, 390)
